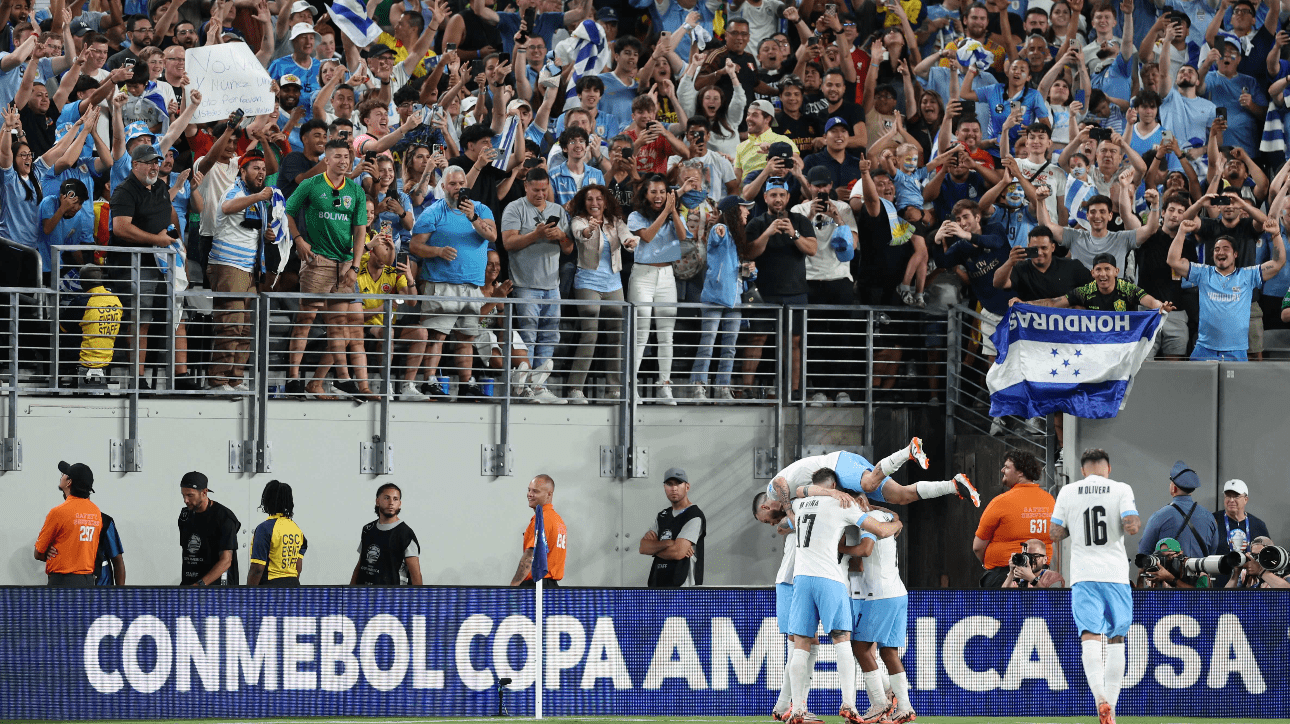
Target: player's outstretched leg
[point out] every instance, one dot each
(897, 494)
(785, 701)
(893, 462)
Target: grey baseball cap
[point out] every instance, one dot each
(675, 474)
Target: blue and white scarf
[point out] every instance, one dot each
(590, 45)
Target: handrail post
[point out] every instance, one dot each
(801, 406)
(387, 370)
(627, 410)
(11, 458)
(172, 324)
(953, 368)
(263, 312)
(502, 459)
(54, 353)
(871, 318)
(779, 384)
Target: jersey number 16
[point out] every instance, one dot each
(1095, 526)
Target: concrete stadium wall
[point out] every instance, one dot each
(470, 526)
(1226, 420)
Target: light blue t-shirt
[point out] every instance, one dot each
(10, 81)
(1188, 119)
(673, 17)
(18, 220)
(942, 38)
(180, 204)
(121, 170)
(1225, 305)
(618, 98)
(77, 230)
(1016, 222)
(938, 82)
(664, 247)
(450, 227)
(607, 126)
(999, 103)
(308, 78)
(1116, 79)
(1142, 144)
(564, 186)
(401, 235)
(603, 278)
(909, 188)
(1243, 129)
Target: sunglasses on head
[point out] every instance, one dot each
(335, 198)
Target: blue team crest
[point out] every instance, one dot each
(999, 108)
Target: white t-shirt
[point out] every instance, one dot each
(881, 575)
(825, 264)
(1084, 246)
(800, 472)
(717, 172)
(1091, 511)
(215, 184)
(821, 521)
(786, 568)
(1052, 175)
(763, 21)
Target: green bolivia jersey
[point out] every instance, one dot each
(330, 215)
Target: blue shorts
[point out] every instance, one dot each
(883, 621)
(1102, 608)
(819, 601)
(858, 608)
(850, 469)
(1200, 354)
(783, 605)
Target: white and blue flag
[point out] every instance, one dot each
(1067, 360)
(1077, 192)
(351, 18)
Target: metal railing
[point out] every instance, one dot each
(382, 348)
(968, 398)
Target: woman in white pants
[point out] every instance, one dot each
(657, 221)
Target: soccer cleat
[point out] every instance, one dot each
(779, 715)
(1104, 714)
(916, 452)
(900, 716)
(809, 718)
(875, 714)
(965, 489)
(794, 716)
(849, 714)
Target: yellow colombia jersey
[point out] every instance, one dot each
(99, 327)
(277, 545)
(391, 281)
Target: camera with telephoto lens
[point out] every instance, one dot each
(1021, 560)
(1274, 560)
(1151, 563)
(1220, 565)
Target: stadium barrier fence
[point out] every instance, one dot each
(161, 653)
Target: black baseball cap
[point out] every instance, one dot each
(81, 475)
(1105, 258)
(193, 481)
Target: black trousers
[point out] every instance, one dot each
(831, 358)
(71, 580)
(546, 583)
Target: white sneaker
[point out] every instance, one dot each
(724, 393)
(222, 388)
(818, 400)
(842, 398)
(996, 427)
(523, 393)
(577, 398)
(665, 394)
(241, 387)
(920, 301)
(543, 396)
(411, 392)
(700, 394)
(614, 394)
(541, 372)
(520, 376)
(907, 296)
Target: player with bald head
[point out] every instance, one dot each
(541, 492)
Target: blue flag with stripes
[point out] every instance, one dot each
(1067, 360)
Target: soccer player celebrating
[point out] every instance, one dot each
(879, 614)
(1096, 513)
(858, 475)
(820, 589)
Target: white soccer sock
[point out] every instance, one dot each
(797, 674)
(890, 464)
(934, 488)
(873, 685)
(785, 699)
(1091, 655)
(900, 687)
(846, 673)
(1115, 663)
(810, 668)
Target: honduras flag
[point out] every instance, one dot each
(540, 547)
(351, 17)
(1067, 360)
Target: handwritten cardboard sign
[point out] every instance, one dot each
(229, 77)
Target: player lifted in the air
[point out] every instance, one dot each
(1096, 513)
(820, 592)
(858, 475)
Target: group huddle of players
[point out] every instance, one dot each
(840, 573)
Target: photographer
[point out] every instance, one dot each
(1252, 574)
(1029, 569)
(1168, 574)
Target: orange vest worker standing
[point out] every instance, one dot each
(540, 492)
(69, 540)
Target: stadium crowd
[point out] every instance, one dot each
(1108, 156)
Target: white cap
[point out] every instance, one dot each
(302, 29)
(300, 6)
(514, 104)
(1236, 486)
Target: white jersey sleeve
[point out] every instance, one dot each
(881, 569)
(785, 572)
(856, 585)
(1091, 510)
(821, 522)
(800, 472)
